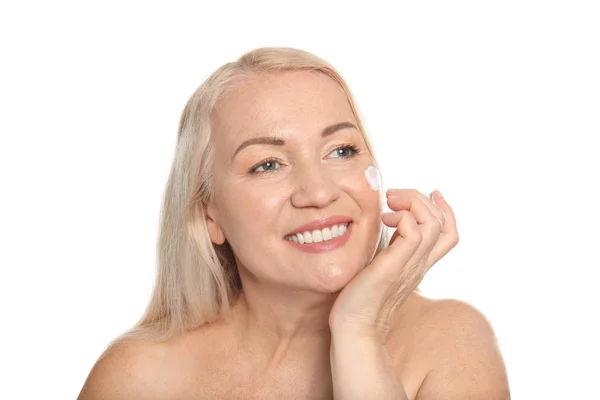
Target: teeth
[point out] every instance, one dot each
(319, 235)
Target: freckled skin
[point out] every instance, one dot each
(308, 181)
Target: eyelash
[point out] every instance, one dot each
(355, 151)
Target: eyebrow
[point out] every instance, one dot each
(275, 141)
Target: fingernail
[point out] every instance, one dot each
(392, 192)
(437, 197)
(386, 213)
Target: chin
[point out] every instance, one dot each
(333, 278)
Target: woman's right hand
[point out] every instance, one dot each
(426, 231)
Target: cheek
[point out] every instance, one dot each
(245, 206)
(262, 206)
(364, 178)
(363, 185)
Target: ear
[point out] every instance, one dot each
(217, 236)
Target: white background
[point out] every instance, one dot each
(497, 104)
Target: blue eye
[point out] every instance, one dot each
(268, 163)
(354, 150)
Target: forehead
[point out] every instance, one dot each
(289, 102)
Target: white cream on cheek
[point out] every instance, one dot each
(373, 177)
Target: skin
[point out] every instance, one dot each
(303, 319)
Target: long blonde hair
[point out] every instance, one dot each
(197, 279)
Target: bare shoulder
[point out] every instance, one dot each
(131, 369)
(461, 349)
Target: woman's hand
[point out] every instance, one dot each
(425, 233)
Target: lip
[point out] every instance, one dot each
(322, 247)
(321, 223)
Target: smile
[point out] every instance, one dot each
(319, 235)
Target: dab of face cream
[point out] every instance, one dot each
(373, 177)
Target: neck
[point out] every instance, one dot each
(283, 325)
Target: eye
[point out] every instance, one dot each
(343, 152)
(268, 164)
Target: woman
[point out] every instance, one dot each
(276, 278)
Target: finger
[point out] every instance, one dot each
(404, 243)
(442, 204)
(393, 220)
(428, 225)
(432, 226)
(428, 201)
(435, 210)
(449, 237)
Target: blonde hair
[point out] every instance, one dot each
(196, 279)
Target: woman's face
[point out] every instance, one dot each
(265, 191)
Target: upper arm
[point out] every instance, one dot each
(130, 370)
(468, 363)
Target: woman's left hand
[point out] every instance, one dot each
(426, 231)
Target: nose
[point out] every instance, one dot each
(313, 186)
